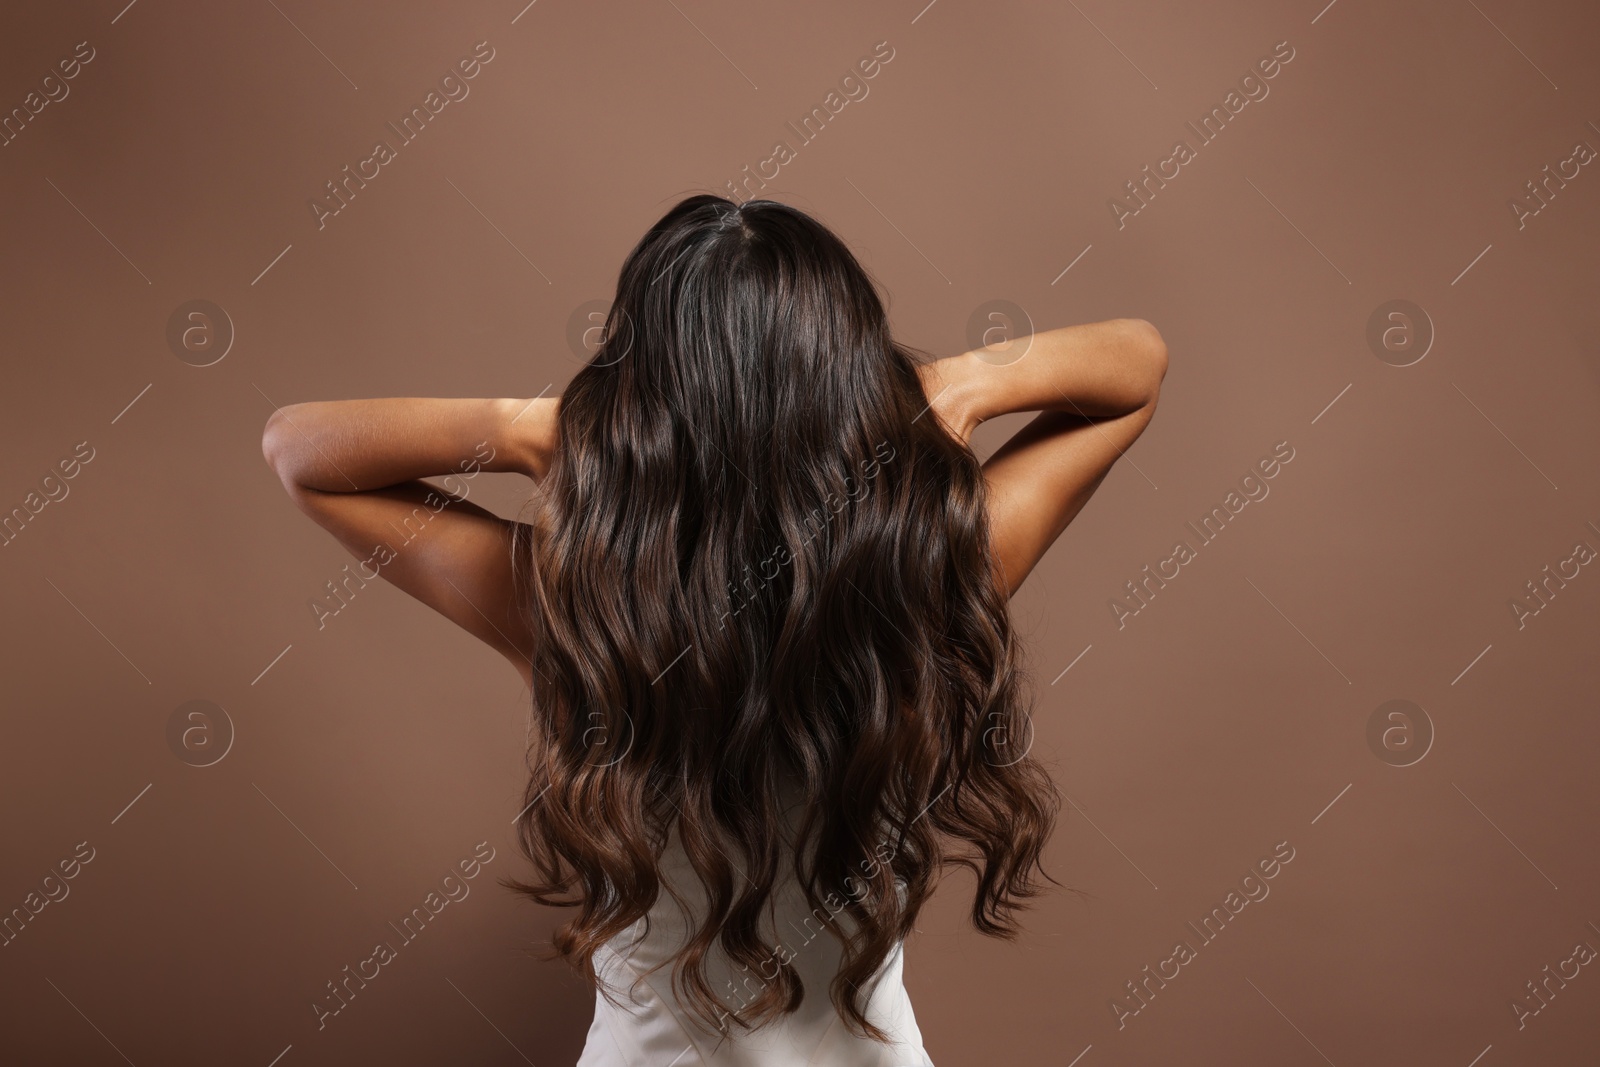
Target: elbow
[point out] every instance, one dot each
(276, 445)
(1148, 352)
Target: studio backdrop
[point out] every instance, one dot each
(1314, 670)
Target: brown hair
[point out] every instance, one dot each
(759, 556)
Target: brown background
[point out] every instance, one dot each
(1222, 720)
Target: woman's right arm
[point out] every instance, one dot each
(356, 468)
(1095, 387)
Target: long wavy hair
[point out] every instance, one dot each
(759, 558)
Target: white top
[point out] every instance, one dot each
(650, 1029)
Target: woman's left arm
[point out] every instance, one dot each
(355, 467)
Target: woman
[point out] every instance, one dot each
(760, 601)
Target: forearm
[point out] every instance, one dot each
(1097, 369)
(343, 446)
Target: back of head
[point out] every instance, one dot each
(759, 560)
